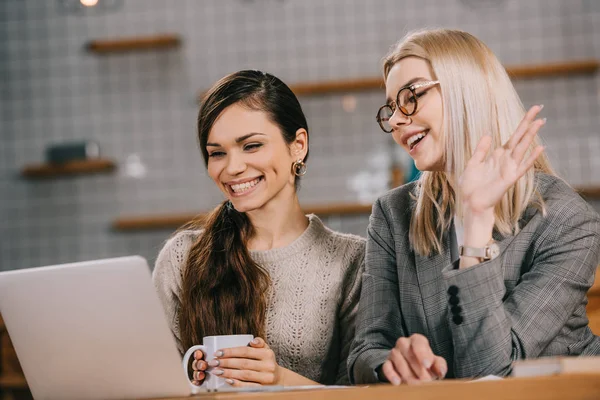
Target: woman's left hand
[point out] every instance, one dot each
(251, 365)
(486, 179)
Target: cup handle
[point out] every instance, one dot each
(186, 362)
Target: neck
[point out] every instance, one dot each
(277, 224)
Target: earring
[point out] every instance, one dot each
(299, 167)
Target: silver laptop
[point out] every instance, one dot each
(91, 330)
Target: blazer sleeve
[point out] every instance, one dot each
(497, 328)
(379, 322)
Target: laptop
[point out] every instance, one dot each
(91, 330)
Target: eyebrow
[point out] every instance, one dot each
(410, 82)
(237, 140)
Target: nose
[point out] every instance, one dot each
(235, 164)
(398, 119)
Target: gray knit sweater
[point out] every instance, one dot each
(312, 302)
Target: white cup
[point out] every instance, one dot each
(210, 344)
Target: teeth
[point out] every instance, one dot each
(414, 138)
(242, 187)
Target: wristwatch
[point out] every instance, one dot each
(489, 252)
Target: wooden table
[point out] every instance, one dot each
(14, 386)
(558, 387)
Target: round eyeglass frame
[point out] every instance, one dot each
(412, 88)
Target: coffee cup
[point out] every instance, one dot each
(210, 345)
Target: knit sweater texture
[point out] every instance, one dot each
(311, 304)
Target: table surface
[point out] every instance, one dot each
(559, 387)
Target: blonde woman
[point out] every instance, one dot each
(488, 257)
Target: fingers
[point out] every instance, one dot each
(198, 355)
(198, 368)
(523, 126)
(439, 367)
(418, 354)
(530, 160)
(243, 363)
(259, 343)
(482, 149)
(245, 352)
(254, 363)
(263, 378)
(521, 148)
(412, 361)
(199, 365)
(401, 366)
(198, 376)
(237, 383)
(421, 356)
(390, 373)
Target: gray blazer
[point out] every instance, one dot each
(528, 302)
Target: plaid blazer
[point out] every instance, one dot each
(528, 302)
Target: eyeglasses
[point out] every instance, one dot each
(406, 102)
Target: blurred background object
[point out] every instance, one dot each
(88, 7)
(126, 75)
(61, 153)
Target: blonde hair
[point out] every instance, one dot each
(478, 99)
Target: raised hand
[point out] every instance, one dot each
(486, 179)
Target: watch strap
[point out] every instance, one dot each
(483, 253)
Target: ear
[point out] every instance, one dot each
(299, 147)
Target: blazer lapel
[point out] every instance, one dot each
(433, 297)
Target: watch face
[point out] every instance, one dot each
(494, 250)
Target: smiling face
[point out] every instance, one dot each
(250, 161)
(421, 133)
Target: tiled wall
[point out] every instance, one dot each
(141, 107)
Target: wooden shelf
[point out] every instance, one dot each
(351, 85)
(515, 71)
(153, 222)
(13, 382)
(589, 193)
(93, 166)
(582, 67)
(141, 43)
(173, 221)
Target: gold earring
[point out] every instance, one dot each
(299, 167)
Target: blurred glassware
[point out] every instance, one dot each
(373, 180)
(134, 167)
(85, 7)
